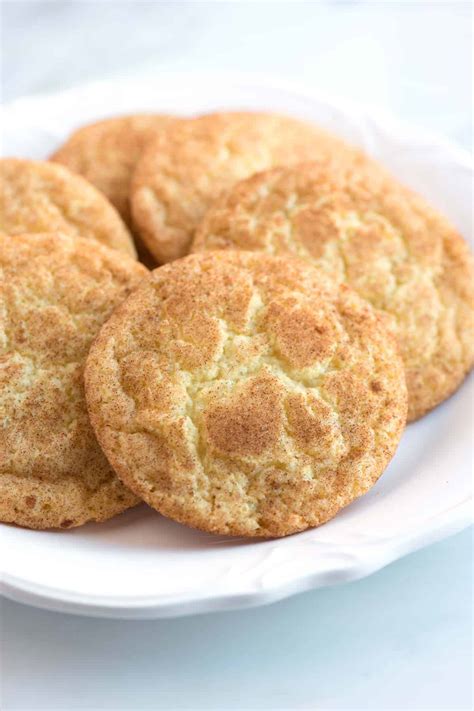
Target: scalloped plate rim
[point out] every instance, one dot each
(143, 607)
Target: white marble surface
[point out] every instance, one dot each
(400, 639)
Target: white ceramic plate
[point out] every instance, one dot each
(142, 565)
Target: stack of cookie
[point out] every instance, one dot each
(260, 379)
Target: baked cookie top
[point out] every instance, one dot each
(362, 227)
(55, 294)
(106, 152)
(246, 394)
(37, 196)
(184, 170)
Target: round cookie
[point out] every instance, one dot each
(245, 394)
(183, 171)
(362, 227)
(37, 196)
(55, 294)
(106, 153)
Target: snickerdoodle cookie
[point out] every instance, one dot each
(106, 152)
(362, 227)
(246, 394)
(55, 294)
(184, 170)
(37, 196)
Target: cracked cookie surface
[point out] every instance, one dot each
(246, 394)
(55, 294)
(363, 228)
(107, 151)
(38, 196)
(185, 169)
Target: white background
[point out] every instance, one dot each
(400, 639)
